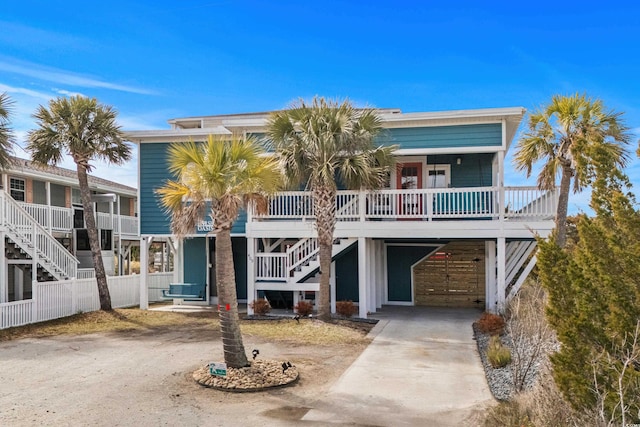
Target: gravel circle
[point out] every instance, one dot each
(259, 375)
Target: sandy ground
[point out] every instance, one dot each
(144, 379)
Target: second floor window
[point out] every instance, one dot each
(17, 189)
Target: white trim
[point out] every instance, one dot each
(438, 167)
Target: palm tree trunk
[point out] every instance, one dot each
(324, 199)
(563, 205)
(234, 353)
(94, 243)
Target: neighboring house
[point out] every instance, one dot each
(445, 232)
(43, 229)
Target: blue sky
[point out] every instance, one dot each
(159, 60)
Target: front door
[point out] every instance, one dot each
(410, 179)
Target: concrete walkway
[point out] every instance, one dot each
(422, 368)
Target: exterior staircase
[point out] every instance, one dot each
(297, 264)
(26, 239)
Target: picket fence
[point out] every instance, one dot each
(53, 300)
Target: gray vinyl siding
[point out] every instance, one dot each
(480, 135)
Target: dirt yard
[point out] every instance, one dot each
(143, 378)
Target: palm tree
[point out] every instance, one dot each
(320, 143)
(219, 177)
(576, 138)
(85, 130)
(6, 135)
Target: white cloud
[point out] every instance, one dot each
(24, 91)
(67, 92)
(65, 77)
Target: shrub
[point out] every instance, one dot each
(490, 323)
(260, 306)
(509, 413)
(304, 308)
(346, 308)
(499, 356)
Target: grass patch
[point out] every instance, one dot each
(133, 319)
(128, 319)
(306, 332)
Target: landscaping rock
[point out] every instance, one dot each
(259, 375)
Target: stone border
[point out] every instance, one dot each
(261, 372)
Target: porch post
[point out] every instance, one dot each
(501, 274)
(371, 281)
(4, 288)
(362, 277)
(332, 283)
(491, 291)
(377, 262)
(144, 266)
(47, 187)
(251, 273)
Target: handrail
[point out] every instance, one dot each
(18, 220)
(425, 204)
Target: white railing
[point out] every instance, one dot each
(272, 266)
(86, 273)
(31, 236)
(156, 282)
(530, 202)
(129, 224)
(420, 204)
(53, 300)
(52, 218)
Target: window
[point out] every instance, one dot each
(437, 179)
(75, 196)
(17, 189)
(106, 240)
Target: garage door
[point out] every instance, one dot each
(452, 277)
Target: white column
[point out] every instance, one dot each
(501, 275)
(371, 281)
(332, 284)
(380, 273)
(491, 291)
(34, 257)
(144, 262)
(47, 187)
(500, 183)
(362, 277)
(251, 274)
(120, 257)
(18, 290)
(4, 289)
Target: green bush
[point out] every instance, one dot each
(260, 306)
(346, 308)
(499, 356)
(304, 308)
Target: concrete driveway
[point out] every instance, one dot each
(422, 368)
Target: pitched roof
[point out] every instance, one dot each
(26, 166)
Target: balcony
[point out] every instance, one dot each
(57, 219)
(433, 204)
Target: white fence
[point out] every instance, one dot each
(53, 300)
(156, 282)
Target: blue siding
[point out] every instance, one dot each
(195, 261)
(347, 275)
(474, 170)
(153, 174)
(399, 262)
(480, 135)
